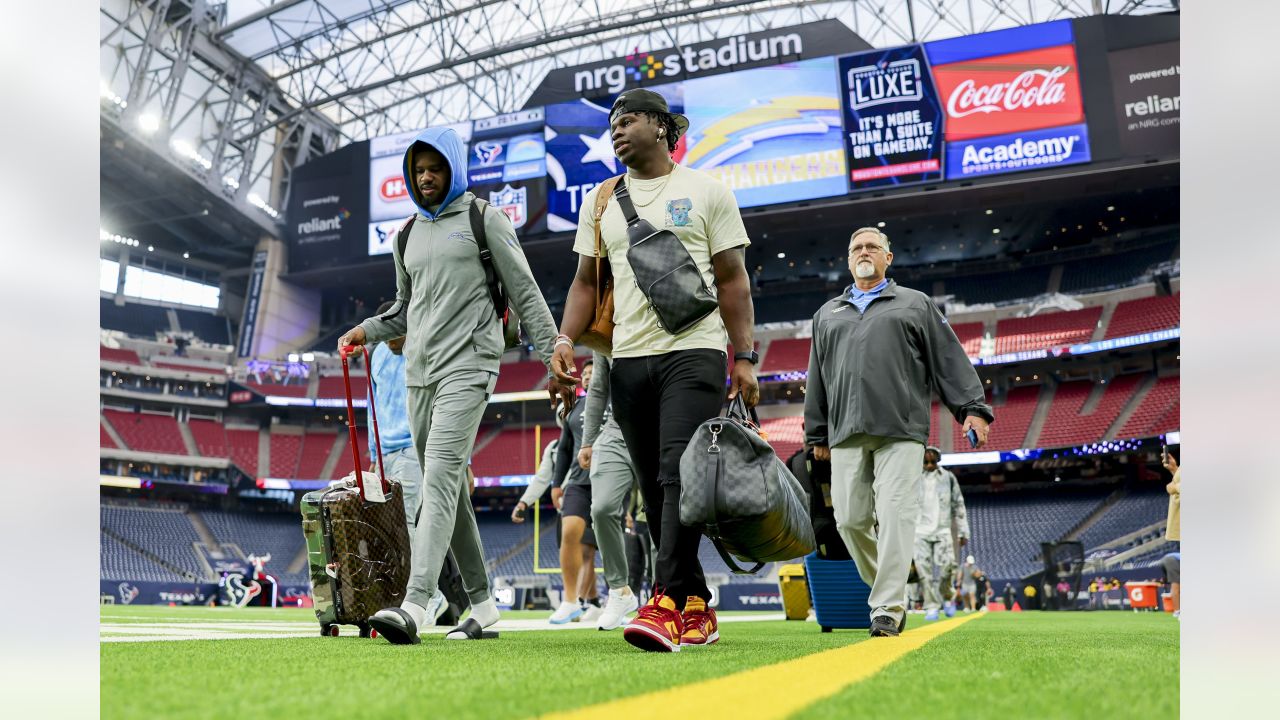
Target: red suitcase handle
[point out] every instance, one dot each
(351, 418)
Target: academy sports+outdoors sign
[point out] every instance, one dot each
(1011, 100)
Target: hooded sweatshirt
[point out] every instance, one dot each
(442, 305)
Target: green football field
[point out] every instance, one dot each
(216, 663)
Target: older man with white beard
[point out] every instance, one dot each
(879, 351)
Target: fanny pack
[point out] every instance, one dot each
(665, 271)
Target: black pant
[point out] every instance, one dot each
(639, 545)
(659, 401)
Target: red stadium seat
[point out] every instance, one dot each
(316, 446)
(1051, 330)
(1157, 413)
(1134, 317)
(119, 355)
(1013, 419)
(243, 446)
(786, 355)
(210, 437)
(331, 387)
(1066, 425)
(278, 389)
(511, 452)
(286, 448)
(147, 432)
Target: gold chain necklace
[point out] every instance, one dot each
(657, 193)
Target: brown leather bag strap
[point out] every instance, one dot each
(603, 192)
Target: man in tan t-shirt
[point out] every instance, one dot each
(664, 386)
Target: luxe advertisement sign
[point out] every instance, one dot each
(892, 118)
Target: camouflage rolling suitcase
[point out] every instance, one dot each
(357, 540)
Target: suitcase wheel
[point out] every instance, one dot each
(328, 631)
(826, 629)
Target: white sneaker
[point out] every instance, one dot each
(591, 614)
(567, 612)
(616, 610)
(436, 607)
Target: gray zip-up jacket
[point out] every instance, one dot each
(598, 418)
(873, 372)
(443, 306)
(541, 479)
(568, 471)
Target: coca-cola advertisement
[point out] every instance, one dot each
(1011, 99)
(892, 118)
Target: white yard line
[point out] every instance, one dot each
(232, 630)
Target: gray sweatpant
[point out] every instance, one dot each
(443, 419)
(612, 477)
(874, 495)
(404, 467)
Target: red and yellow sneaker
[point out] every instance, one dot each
(700, 626)
(657, 626)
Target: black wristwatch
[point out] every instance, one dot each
(750, 356)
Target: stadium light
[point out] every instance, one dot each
(186, 256)
(995, 231)
(880, 224)
(782, 256)
(293, 357)
(105, 236)
(308, 357)
(148, 123)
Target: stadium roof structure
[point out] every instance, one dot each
(380, 67)
(233, 95)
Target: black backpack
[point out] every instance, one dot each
(510, 320)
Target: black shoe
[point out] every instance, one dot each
(884, 626)
(471, 630)
(902, 624)
(396, 626)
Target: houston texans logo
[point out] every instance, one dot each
(127, 593)
(242, 593)
(487, 152)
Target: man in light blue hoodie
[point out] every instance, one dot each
(453, 347)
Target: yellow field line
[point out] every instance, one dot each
(800, 682)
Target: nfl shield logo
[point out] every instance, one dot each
(511, 201)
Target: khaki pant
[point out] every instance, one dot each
(443, 419)
(875, 498)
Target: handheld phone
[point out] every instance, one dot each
(973, 437)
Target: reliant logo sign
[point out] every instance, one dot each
(321, 225)
(639, 67)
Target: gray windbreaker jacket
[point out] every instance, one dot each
(443, 306)
(874, 372)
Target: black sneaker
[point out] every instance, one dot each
(884, 626)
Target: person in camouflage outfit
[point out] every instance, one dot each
(941, 507)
